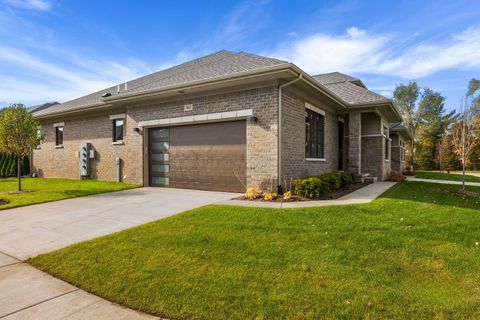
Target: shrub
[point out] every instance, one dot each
(252, 194)
(270, 196)
(313, 187)
(397, 177)
(288, 195)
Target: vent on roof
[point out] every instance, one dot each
(106, 94)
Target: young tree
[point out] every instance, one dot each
(18, 134)
(405, 98)
(465, 138)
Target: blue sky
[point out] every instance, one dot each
(52, 50)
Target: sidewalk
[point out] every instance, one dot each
(45, 297)
(363, 195)
(475, 184)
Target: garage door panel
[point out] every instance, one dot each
(208, 156)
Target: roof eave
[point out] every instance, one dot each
(387, 102)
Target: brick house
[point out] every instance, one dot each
(221, 122)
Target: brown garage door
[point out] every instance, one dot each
(203, 156)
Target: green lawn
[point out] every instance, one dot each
(45, 190)
(445, 176)
(410, 254)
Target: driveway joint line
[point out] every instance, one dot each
(9, 255)
(38, 303)
(11, 264)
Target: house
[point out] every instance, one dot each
(221, 122)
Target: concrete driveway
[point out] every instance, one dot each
(28, 293)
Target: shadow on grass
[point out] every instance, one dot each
(438, 194)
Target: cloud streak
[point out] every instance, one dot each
(357, 51)
(36, 5)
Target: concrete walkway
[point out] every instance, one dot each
(475, 184)
(364, 195)
(28, 293)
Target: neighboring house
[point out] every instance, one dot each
(399, 136)
(213, 124)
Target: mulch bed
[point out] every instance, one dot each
(332, 195)
(3, 202)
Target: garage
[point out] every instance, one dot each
(210, 156)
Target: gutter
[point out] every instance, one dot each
(280, 87)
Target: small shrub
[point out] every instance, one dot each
(346, 178)
(397, 177)
(288, 195)
(270, 196)
(252, 193)
(313, 187)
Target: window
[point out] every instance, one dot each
(118, 130)
(314, 135)
(59, 136)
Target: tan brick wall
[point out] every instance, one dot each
(261, 137)
(52, 162)
(294, 163)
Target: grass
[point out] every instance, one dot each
(45, 190)
(410, 254)
(446, 176)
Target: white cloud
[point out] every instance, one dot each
(38, 5)
(358, 51)
(61, 81)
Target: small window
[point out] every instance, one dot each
(314, 135)
(118, 130)
(59, 136)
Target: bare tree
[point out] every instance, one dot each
(465, 138)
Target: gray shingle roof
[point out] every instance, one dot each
(354, 94)
(334, 77)
(349, 89)
(222, 63)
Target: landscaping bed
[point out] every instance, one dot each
(332, 185)
(413, 253)
(330, 195)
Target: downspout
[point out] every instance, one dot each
(280, 87)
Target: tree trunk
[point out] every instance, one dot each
(19, 173)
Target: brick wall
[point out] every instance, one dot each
(52, 162)
(261, 137)
(294, 164)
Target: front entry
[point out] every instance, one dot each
(208, 156)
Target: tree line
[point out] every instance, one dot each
(442, 140)
(8, 165)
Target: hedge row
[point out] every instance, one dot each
(8, 165)
(313, 187)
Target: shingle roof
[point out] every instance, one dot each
(334, 77)
(222, 63)
(349, 89)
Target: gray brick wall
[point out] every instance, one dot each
(52, 162)
(262, 137)
(294, 164)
